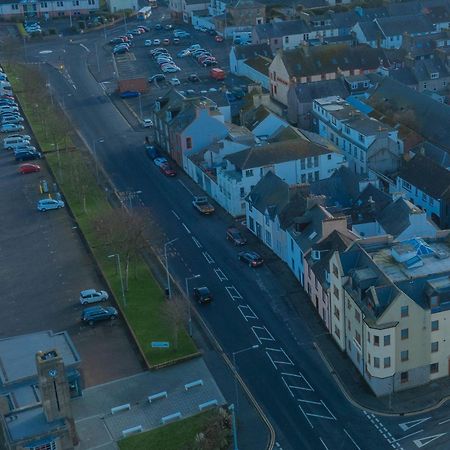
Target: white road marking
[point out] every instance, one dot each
(45, 52)
(175, 214)
(186, 228)
(444, 421)
(182, 184)
(233, 293)
(306, 417)
(197, 243)
(208, 258)
(280, 350)
(220, 275)
(407, 436)
(321, 404)
(323, 443)
(427, 440)
(245, 310)
(297, 378)
(405, 426)
(83, 46)
(354, 443)
(265, 334)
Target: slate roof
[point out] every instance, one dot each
(370, 30)
(437, 154)
(425, 67)
(275, 152)
(426, 175)
(307, 92)
(326, 59)
(260, 64)
(394, 26)
(243, 52)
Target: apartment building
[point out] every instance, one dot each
(366, 142)
(389, 309)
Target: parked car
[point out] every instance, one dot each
(23, 148)
(151, 151)
(167, 170)
(116, 41)
(166, 41)
(49, 203)
(202, 295)
(98, 313)
(129, 94)
(158, 26)
(218, 38)
(183, 53)
(145, 28)
(148, 42)
(28, 155)
(120, 50)
(168, 26)
(171, 69)
(9, 127)
(235, 236)
(93, 296)
(174, 81)
(147, 123)
(29, 168)
(253, 259)
(156, 41)
(193, 77)
(157, 77)
(160, 161)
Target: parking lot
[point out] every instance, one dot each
(43, 267)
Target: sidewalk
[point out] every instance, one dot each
(347, 376)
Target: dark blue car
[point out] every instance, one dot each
(130, 94)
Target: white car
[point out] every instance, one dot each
(174, 81)
(146, 123)
(93, 296)
(49, 203)
(160, 161)
(148, 42)
(170, 69)
(9, 127)
(156, 41)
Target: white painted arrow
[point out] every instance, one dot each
(426, 440)
(405, 426)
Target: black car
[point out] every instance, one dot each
(235, 236)
(253, 259)
(98, 313)
(151, 152)
(116, 41)
(202, 295)
(157, 77)
(28, 156)
(193, 77)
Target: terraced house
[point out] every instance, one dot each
(49, 8)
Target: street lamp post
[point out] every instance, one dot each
(167, 265)
(96, 141)
(186, 280)
(117, 256)
(233, 426)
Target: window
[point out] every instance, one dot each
(188, 143)
(316, 175)
(48, 446)
(15, 6)
(303, 164)
(329, 156)
(252, 224)
(357, 316)
(361, 138)
(349, 325)
(368, 337)
(404, 355)
(387, 362)
(76, 3)
(43, 4)
(403, 377)
(61, 4)
(337, 332)
(369, 359)
(404, 334)
(434, 347)
(434, 325)
(91, 2)
(335, 270)
(249, 173)
(303, 178)
(387, 340)
(434, 76)
(268, 239)
(404, 311)
(336, 292)
(434, 368)
(316, 161)
(336, 312)
(267, 220)
(358, 338)
(286, 39)
(376, 341)
(349, 305)
(406, 185)
(376, 362)
(241, 192)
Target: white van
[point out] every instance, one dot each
(13, 142)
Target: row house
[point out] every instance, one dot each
(426, 184)
(313, 64)
(366, 142)
(48, 8)
(389, 309)
(239, 54)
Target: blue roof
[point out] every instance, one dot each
(358, 104)
(421, 247)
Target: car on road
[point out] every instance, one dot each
(9, 127)
(156, 41)
(46, 204)
(147, 123)
(129, 94)
(235, 236)
(218, 38)
(151, 151)
(157, 77)
(253, 259)
(193, 77)
(174, 81)
(168, 26)
(93, 296)
(202, 295)
(95, 314)
(160, 161)
(28, 155)
(202, 205)
(29, 168)
(183, 53)
(167, 170)
(148, 42)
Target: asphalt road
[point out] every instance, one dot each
(284, 373)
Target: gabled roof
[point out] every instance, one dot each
(370, 30)
(437, 154)
(260, 64)
(329, 58)
(426, 175)
(243, 52)
(275, 153)
(412, 24)
(307, 92)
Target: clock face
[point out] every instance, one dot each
(53, 373)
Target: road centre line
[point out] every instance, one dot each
(175, 214)
(220, 275)
(253, 316)
(208, 258)
(182, 184)
(261, 338)
(186, 228)
(354, 443)
(197, 243)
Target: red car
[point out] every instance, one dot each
(167, 170)
(29, 168)
(218, 38)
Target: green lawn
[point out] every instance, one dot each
(73, 170)
(175, 436)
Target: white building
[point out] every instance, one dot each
(49, 8)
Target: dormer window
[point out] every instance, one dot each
(434, 76)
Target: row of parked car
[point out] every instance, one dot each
(122, 44)
(164, 60)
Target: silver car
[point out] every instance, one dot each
(49, 203)
(93, 296)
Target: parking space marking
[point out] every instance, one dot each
(233, 293)
(247, 312)
(220, 275)
(185, 227)
(306, 417)
(280, 353)
(321, 404)
(296, 381)
(262, 334)
(208, 258)
(323, 443)
(175, 214)
(197, 243)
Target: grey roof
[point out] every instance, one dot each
(399, 9)
(370, 30)
(437, 154)
(368, 204)
(276, 152)
(394, 26)
(243, 52)
(307, 92)
(426, 175)
(17, 354)
(404, 75)
(425, 67)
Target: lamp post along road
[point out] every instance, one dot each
(169, 288)
(117, 256)
(186, 280)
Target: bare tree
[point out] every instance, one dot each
(217, 432)
(176, 313)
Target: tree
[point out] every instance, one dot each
(176, 312)
(217, 432)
